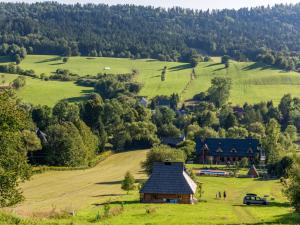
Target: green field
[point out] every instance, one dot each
(149, 70)
(85, 191)
(252, 82)
(48, 92)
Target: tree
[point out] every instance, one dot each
(13, 161)
(189, 148)
(162, 153)
(207, 132)
(128, 182)
(292, 186)
(237, 132)
(225, 60)
(244, 163)
(64, 111)
(19, 82)
(219, 91)
(291, 130)
(65, 146)
(65, 59)
(271, 142)
(18, 59)
(163, 74)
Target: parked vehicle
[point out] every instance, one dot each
(253, 199)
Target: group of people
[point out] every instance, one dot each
(219, 195)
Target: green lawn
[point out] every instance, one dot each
(87, 190)
(48, 92)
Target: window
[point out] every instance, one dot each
(233, 150)
(250, 150)
(219, 149)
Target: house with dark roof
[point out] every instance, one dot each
(169, 183)
(172, 141)
(227, 150)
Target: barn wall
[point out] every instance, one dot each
(161, 198)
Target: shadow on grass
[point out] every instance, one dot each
(118, 203)
(180, 67)
(85, 96)
(214, 64)
(90, 58)
(108, 195)
(56, 64)
(219, 69)
(49, 60)
(271, 204)
(117, 182)
(289, 218)
(259, 65)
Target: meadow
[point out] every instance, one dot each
(251, 82)
(37, 91)
(86, 191)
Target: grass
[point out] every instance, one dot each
(252, 82)
(48, 92)
(87, 190)
(150, 70)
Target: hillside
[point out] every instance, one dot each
(252, 82)
(142, 32)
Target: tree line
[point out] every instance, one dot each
(261, 33)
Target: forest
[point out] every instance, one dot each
(268, 34)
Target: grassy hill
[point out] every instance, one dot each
(252, 82)
(48, 92)
(87, 190)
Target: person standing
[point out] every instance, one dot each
(224, 195)
(220, 196)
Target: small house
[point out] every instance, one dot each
(253, 173)
(144, 102)
(169, 183)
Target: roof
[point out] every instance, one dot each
(169, 178)
(228, 146)
(172, 141)
(253, 171)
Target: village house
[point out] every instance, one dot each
(169, 183)
(227, 150)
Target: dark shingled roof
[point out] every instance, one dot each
(228, 146)
(169, 178)
(172, 141)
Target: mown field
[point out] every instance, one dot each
(48, 93)
(252, 82)
(85, 191)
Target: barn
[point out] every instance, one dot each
(169, 183)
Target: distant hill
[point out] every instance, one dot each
(142, 32)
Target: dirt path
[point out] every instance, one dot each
(78, 189)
